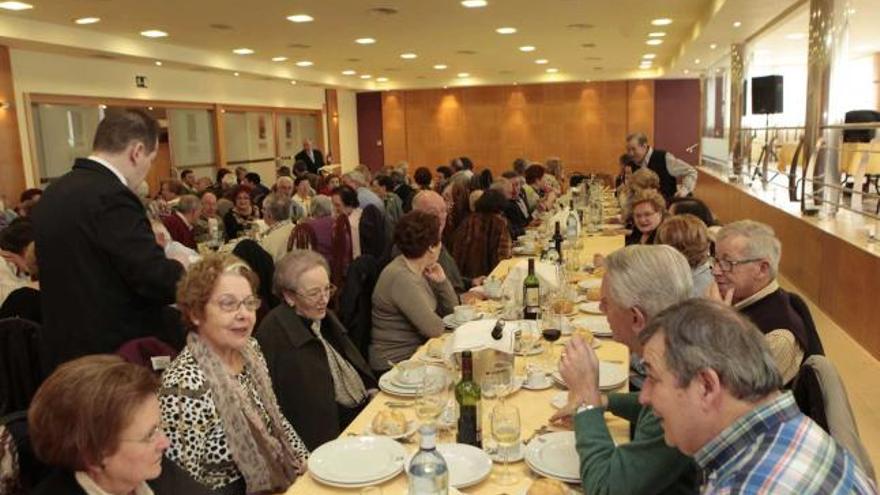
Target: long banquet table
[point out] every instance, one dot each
(535, 408)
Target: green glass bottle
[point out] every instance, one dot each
(531, 294)
(467, 394)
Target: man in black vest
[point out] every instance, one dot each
(666, 166)
(312, 157)
(103, 279)
(745, 266)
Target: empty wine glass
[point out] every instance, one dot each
(432, 395)
(506, 433)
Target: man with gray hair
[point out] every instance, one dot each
(311, 156)
(664, 164)
(276, 213)
(182, 219)
(358, 182)
(745, 266)
(714, 384)
(640, 281)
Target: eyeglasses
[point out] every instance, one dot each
(230, 304)
(151, 437)
(314, 294)
(729, 265)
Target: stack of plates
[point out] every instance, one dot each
(590, 283)
(553, 455)
(451, 322)
(467, 464)
(355, 462)
(590, 307)
(598, 324)
(611, 376)
(391, 382)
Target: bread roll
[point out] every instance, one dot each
(390, 423)
(545, 486)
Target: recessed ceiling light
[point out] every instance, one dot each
(713, 46)
(365, 41)
(300, 18)
(697, 61)
(243, 51)
(687, 71)
(505, 30)
(87, 20)
(527, 48)
(663, 21)
(795, 36)
(279, 59)
(349, 72)
(440, 66)
(649, 56)
(737, 24)
(15, 6)
(381, 79)
(654, 42)
(158, 63)
(366, 76)
(154, 33)
(474, 4)
(293, 83)
(656, 34)
(541, 61)
(236, 74)
(552, 70)
(463, 75)
(305, 63)
(408, 56)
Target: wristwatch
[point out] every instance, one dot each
(586, 407)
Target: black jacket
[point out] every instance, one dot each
(301, 375)
(302, 156)
(60, 482)
(103, 278)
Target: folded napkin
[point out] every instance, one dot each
(513, 284)
(477, 335)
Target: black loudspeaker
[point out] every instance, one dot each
(860, 117)
(767, 94)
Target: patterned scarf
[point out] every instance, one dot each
(347, 384)
(261, 452)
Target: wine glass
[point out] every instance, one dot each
(432, 395)
(506, 433)
(503, 372)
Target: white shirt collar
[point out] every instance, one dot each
(185, 221)
(110, 166)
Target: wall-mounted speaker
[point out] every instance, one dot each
(767, 94)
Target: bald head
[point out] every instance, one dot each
(433, 203)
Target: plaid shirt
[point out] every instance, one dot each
(776, 449)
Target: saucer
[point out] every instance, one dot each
(548, 382)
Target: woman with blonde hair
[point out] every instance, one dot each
(648, 211)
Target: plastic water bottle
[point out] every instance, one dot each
(427, 473)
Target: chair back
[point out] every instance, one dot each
(356, 300)
(814, 343)
(302, 237)
(821, 395)
(148, 352)
(20, 470)
(21, 369)
(372, 231)
(341, 250)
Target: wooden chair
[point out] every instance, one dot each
(302, 237)
(341, 253)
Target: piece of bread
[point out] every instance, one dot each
(390, 423)
(545, 486)
(583, 333)
(562, 306)
(594, 294)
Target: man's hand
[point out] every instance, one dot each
(714, 293)
(435, 273)
(579, 367)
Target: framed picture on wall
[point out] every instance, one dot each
(261, 128)
(288, 128)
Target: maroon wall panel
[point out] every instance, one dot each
(677, 117)
(370, 144)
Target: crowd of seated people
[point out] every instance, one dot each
(257, 385)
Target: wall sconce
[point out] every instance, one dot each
(5, 105)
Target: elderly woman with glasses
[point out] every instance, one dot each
(321, 379)
(97, 419)
(648, 212)
(222, 417)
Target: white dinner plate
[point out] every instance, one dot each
(353, 485)
(412, 426)
(591, 307)
(357, 460)
(386, 384)
(451, 322)
(590, 283)
(598, 324)
(511, 454)
(467, 464)
(611, 376)
(554, 456)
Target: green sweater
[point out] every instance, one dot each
(644, 466)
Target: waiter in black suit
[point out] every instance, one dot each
(311, 156)
(664, 164)
(103, 278)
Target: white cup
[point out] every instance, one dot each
(492, 286)
(536, 377)
(464, 313)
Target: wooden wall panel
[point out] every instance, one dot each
(582, 123)
(333, 125)
(677, 117)
(12, 181)
(840, 277)
(371, 148)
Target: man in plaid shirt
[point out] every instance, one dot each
(716, 389)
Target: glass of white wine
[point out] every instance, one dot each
(432, 395)
(506, 433)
